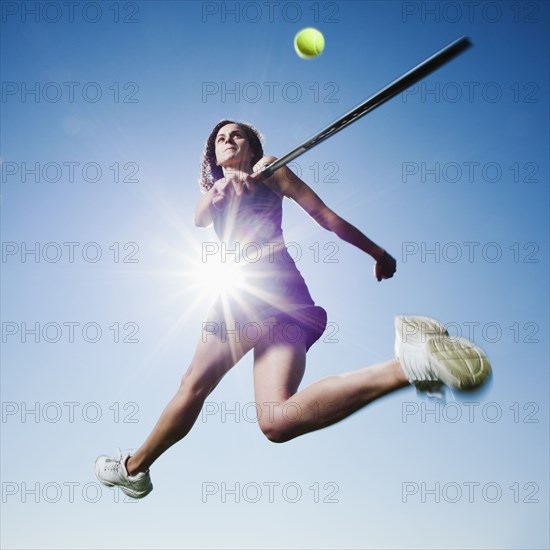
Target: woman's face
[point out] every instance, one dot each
(232, 147)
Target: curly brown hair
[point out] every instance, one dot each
(210, 171)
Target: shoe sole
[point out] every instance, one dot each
(458, 363)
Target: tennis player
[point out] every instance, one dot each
(246, 208)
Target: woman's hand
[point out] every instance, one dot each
(258, 175)
(225, 189)
(385, 267)
(262, 163)
(236, 182)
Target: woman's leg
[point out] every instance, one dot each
(285, 413)
(213, 358)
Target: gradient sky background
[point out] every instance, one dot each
(462, 158)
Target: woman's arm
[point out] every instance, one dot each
(216, 199)
(219, 196)
(204, 211)
(286, 183)
(293, 187)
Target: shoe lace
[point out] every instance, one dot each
(114, 463)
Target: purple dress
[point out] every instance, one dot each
(273, 286)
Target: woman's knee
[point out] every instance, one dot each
(277, 427)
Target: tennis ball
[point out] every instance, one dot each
(309, 43)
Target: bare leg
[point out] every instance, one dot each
(333, 398)
(213, 359)
(285, 414)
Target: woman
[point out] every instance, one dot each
(245, 209)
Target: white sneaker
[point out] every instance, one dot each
(430, 357)
(112, 472)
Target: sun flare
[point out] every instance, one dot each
(222, 276)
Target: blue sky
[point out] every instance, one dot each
(105, 110)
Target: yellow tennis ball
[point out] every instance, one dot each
(309, 43)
